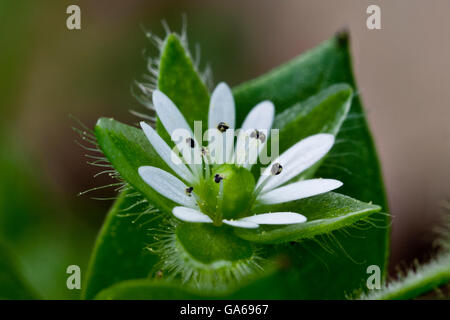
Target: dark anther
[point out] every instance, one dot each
(191, 142)
(262, 137)
(189, 191)
(218, 178)
(276, 169)
(258, 135)
(222, 126)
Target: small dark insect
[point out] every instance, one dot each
(159, 274)
(218, 178)
(191, 142)
(258, 135)
(222, 126)
(276, 169)
(204, 151)
(189, 190)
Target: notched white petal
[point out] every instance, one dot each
(241, 224)
(190, 215)
(297, 159)
(221, 107)
(166, 153)
(167, 185)
(298, 190)
(276, 218)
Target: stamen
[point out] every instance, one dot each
(206, 161)
(190, 142)
(276, 169)
(217, 221)
(258, 135)
(222, 127)
(262, 137)
(218, 178)
(189, 191)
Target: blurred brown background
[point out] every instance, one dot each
(402, 70)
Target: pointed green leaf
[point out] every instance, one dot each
(119, 253)
(322, 113)
(325, 213)
(144, 289)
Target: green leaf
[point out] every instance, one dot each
(119, 253)
(144, 289)
(353, 160)
(322, 113)
(127, 149)
(179, 80)
(417, 282)
(12, 285)
(325, 213)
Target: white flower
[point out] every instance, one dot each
(271, 188)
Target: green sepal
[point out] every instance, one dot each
(127, 149)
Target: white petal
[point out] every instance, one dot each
(259, 118)
(298, 190)
(171, 118)
(221, 107)
(241, 224)
(167, 154)
(190, 215)
(297, 158)
(276, 218)
(176, 125)
(167, 185)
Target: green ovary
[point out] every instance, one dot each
(236, 198)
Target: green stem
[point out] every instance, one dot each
(416, 283)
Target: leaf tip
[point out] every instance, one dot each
(343, 36)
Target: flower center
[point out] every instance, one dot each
(227, 194)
